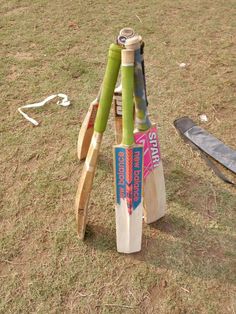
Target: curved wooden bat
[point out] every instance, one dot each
(86, 179)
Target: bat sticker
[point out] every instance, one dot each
(129, 176)
(152, 156)
(118, 105)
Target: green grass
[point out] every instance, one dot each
(187, 260)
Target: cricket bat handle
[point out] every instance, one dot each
(141, 118)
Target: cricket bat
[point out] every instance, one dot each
(146, 134)
(128, 169)
(87, 127)
(88, 171)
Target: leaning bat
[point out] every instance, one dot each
(86, 130)
(86, 179)
(87, 127)
(146, 134)
(128, 169)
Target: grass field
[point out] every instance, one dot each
(187, 263)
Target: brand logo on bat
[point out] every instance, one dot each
(154, 147)
(128, 169)
(121, 39)
(152, 156)
(118, 105)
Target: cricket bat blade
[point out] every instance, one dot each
(154, 181)
(128, 169)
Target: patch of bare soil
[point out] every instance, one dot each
(13, 74)
(16, 11)
(152, 301)
(24, 56)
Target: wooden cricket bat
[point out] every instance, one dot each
(146, 134)
(128, 169)
(86, 179)
(87, 127)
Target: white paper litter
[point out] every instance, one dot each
(63, 102)
(203, 118)
(182, 65)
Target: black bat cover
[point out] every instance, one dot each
(208, 145)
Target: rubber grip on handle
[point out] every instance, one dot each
(127, 81)
(108, 87)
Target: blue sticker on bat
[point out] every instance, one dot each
(120, 171)
(129, 174)
(137, 175)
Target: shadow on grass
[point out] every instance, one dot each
(100, 237)
(189, 249)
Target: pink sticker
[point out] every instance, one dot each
(152, 156)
